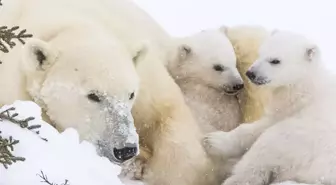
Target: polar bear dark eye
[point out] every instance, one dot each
(131, 96)
(275, 61)
(218, 67)
(93, 97)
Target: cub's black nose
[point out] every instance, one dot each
(250, 75)
(126, 153)
(238, 87)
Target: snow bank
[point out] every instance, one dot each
(63, 157)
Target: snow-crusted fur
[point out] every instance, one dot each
(296, 138)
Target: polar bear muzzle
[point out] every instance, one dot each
(119, 141)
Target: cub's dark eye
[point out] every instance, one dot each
(275, 61)
(218, 67)
(94, 97)
(131, 96)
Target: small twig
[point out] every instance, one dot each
(45, 179)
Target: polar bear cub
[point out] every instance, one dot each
(205, 70)
(296, 138)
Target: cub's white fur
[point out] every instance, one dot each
(296, 138)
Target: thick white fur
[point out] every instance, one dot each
(86, 32)
(296, 139)
(81, 55)
(209, 93)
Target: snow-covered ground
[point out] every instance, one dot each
(63, 157)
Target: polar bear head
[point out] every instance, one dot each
(207, 58)
(284, 58)
(88, 84)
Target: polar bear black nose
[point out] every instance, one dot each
(238, 87)
(250, 75)
(126, 153)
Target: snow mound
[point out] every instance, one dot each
(59, 159)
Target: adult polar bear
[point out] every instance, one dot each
(296, 139)
(164, 123)
(72, 70)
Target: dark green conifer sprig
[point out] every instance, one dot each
(7, 35)
(6, 115)
(7, 145)
(6, 149)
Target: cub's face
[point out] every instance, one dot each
(284, 59)
(208, 58)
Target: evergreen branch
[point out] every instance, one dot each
(5, 115)
(0, 3)
(6, 148)
(45, 179)
(7, 145)
(8, 34)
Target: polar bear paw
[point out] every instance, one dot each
(140, 168)
(134, 169)
(221, 144)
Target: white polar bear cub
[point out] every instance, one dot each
(296, 139)
(205, 70)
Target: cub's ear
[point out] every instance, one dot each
(312, 53)
(184, 51)
(274, 32)
(224, 29)
(38, 55)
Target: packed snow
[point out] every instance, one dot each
(63, 159)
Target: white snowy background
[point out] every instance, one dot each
(313, 18)
(65, 157)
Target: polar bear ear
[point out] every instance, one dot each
(38, 55)
(140, 51)
(184, 52)
(139, 54)
(311, 53)
(274, 32)
(224, 29)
